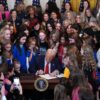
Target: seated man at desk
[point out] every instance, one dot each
(48, 64)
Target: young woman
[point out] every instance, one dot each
(58, 27)
(20, 8)
(79, 85)
(16, 66)
(74, 56)
(85, 5)
(88, 17)
(50, 28)
(5, 36)
(55, 17)
(20, 53)
(8, 80)
(89, 63)
(15, 21)
(63, 43)
(78, 20)
(7, 54)
(66, 23)
(31, 16)
(32, 49)
(67, 8)
(45, 21)
(65, 59)
(11, 27)
(43, 44)
(24, 28)
(35, 30)
(54, 40)
(70, 17)
(12, 93)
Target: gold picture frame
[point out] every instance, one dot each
(41, 84)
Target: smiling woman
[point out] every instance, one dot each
(19, 52)
(5, 36)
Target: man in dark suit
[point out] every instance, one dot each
(48, 64)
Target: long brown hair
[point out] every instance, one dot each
(28, 9)
(60, 92)
(32, 40)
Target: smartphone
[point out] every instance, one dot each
(16, 82)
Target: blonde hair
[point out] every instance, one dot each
(30, 40)
(72, 55)
(68, 21)
(2, 35)
(30, 7)
(72, 19)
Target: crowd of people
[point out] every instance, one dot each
(37, 42)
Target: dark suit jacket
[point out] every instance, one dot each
(40, 63)
(32, 64)
(18, 22)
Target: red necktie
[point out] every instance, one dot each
(47, 69)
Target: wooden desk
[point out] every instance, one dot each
(27, 82)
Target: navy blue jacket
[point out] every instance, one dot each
(40, 63)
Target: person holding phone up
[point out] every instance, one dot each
(2, 87)
(16, 90)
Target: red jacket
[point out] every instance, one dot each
(7, 15)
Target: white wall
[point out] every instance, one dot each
(29, 2)
(43, 3)
(11, 4)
